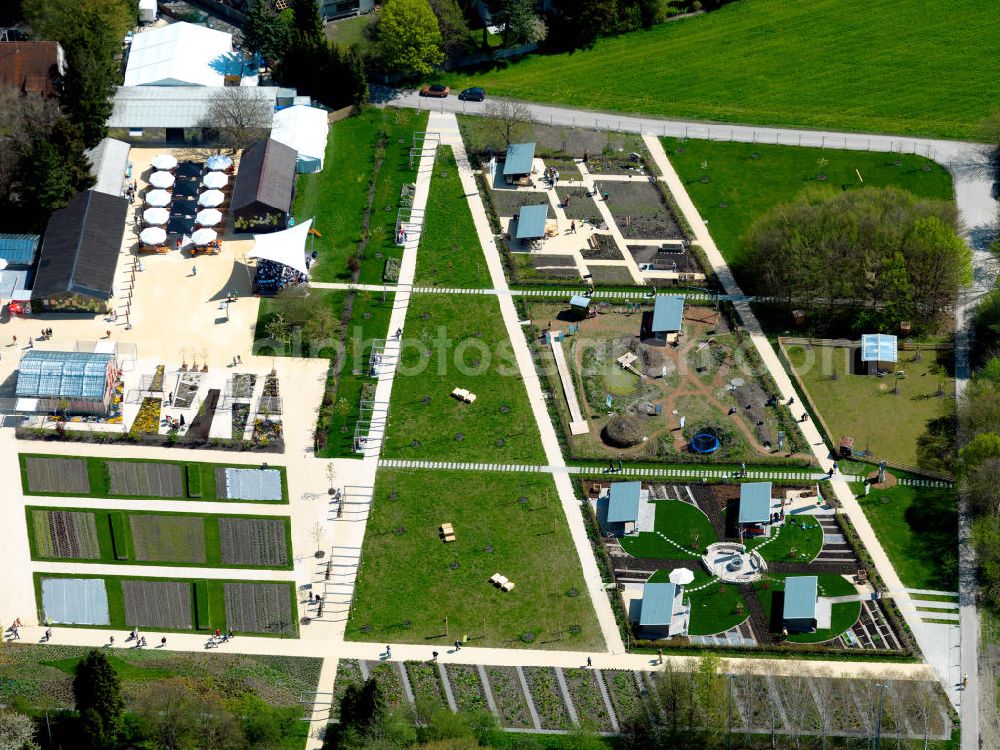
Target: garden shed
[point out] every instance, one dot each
(79, 255)
(50, 382)
(661, 610)
(531, 222)
(879, 352)
(579, 304)
(755, 507)
(801, 598)
(623, 507)
(662, 324)
(265, 184)
(517, 165)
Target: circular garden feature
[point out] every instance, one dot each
(623, 431)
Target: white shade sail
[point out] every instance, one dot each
(219, 161)
(287, 247)
(161, 179)
(208, 217)
(156, 216)
(211, 198)
(204, 236)
(215, 180)
(158, 198)
(164, 161)
(153, 235)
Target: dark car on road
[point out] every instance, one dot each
(438, 90)
(474, 94)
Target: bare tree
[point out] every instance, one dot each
(241, 115)
(508, 119)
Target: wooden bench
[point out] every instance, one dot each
(501, 582)
(463, 395)
(447, 532)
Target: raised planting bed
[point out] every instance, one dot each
(243, 384)
(168, 538)
(241, 414)
(157, 604)
(348, 673)
(605, 249)
(548, 698)
(624, 693)
(509, 697)
(259, 607)
(266, 430)
(66, 534)
(147, 421)
(145, 479)
(388, 679)
(253, 541)
(510, 202)
(640, 210)
(425, 683)
(57, 475)
(586, 696)
(467, 688)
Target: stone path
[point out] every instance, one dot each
(577, 425)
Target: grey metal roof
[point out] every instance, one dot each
(46, 374)
(668, 311)
(578, 300)
(878, 347)
(800, 597)
(623, 502)
(80, 251)
(755, 502)
(109, 160)
(519, 158)
(657, 604)
(266, 175)
(531, 221)
(171, 106)
(19, 249)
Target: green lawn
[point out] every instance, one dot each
(743, 186)
(450, 254)
(801, 534)
(215, 598)
(171, 539)
(350, 31)
(204, 481)
(411, 582)
(442, 351)
(904, 67)
(843, 615)
(918, 529)
(369, 321)
(866, 408)
(679, 522)
(338, 196)
(715, 608)
(314, 321)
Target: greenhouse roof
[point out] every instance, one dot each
(46, 374)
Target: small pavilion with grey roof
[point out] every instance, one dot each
(662, 325)
(531, 222)
(517, 165)
(801, 611)
(756, 512)
(623, 507)
(661, 612)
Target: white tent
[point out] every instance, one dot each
(304, 129)
(180, 54)
(287, 247)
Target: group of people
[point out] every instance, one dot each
(173, 423)
(551, 176)
(130, 190)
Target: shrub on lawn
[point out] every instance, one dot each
(623, 431)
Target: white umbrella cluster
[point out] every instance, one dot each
(158, 198)
(153, 235)
(215, 180)
(211, 198)
(156, 216)
(164, 161)
(208, 217)
(161, 180)
(203, 236)
(219, 161)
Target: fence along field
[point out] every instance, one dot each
(68, 534)
(146, 479)
(259, 607)
(251, 541)
(157, 604)
(59, 475)
(168, 538)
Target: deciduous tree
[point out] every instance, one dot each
(409, 38)
(241, 114)
(98, 696)
(265, 33)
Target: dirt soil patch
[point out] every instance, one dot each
(253, 541)
(168, 538)
(68, 534)
(145, 479)
(606, 249)
(617, 275)
(509, 202)
(59, 475)
(259, 607)
(640, 210)
(157, 604)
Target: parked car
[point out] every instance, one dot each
(475, 94)
(438, 90)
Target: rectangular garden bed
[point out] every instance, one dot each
(62, 476)
(388, 679)
(157, 604)
(259, 607)
(586, 696)
(548, 698)
(509, 697)
(467, 688)
(168, 538)
(145, 479)
(624, 693)
(348, 673)
(253, 541)
(640, 210)
(66, 534)
(425, 681)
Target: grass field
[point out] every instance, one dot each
(214, 619)
(199, 478)
(715, 608)
(449, 253)
(866, 408)
(918, 529)
(905, 67)
(411, 582)
(843, 615)
(338, 195)
(170, 540)
(801, 535)
(743, 186)
(350, 31)
(459, 341)
(293, 311)
(681, 523)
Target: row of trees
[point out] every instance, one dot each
(896, 256)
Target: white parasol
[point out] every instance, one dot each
(203, 236)
(3, 263)
(164, 161)
(153, 235)
(219, 161)
(215, 180)
(156, 216)
(208, 217)
(211, 198)
(681, 576)
(161, 179)
(157, 198)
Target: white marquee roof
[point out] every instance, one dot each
(287, 247)
(304, 129)
(179, 54)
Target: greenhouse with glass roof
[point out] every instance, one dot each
(65, 382)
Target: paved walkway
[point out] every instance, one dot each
(577, 425)
(925, 634)
(447, 126)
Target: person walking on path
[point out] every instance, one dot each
(194, 270)
(388, 651)
(163, 642)
(434, 655)
(458, 645)
(659, 656)
(572, 227)
(590, 662)
(111, 641)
